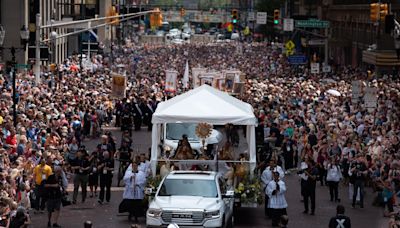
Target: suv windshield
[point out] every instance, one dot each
(185, 187)
(176, 130)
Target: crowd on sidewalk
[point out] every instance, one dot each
(333, 138)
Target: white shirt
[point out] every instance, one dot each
(278, 200)
(134, 185)
(267, 177)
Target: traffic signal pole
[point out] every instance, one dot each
(37, 50)
(39, 27)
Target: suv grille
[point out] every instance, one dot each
(183, 217)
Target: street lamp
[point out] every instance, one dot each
(24, 36)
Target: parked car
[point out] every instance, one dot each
(192, 198)
(235, 36)
(174, 34)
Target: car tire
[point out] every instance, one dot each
(223, 222)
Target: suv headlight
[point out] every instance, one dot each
(212, 214)
(154, 212)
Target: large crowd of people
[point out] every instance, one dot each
(330, 139)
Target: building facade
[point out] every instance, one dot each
(17, 13)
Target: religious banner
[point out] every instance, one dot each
(371, 98)
(356, 91)
(170, 81)
(221, 84)
(118, 85)
(238, 88)
(196, 72)
(229, 81)
(207, 78)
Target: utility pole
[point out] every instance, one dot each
(37, 50)
(326, 47)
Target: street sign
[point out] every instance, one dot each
(316, 42)
(297, 59)
(312, 23)
(261, 18)
(290, 45)
(22, 66)
(251, 16)
(315, 68)
(288, 24)
(326, 69)
(289, 52)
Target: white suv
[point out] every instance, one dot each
(192, 198)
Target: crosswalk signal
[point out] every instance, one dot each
(277, 14)
(374, 12)
(384, 10)
(235, 16)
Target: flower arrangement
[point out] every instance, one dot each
(249, 190)
(153, 182)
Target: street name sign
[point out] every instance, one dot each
(22, 66)
(311, 24)
(297, 59)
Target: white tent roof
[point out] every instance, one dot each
(205, 104)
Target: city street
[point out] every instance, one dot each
(226, 85)
(104, 216)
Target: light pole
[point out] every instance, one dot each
(24, 36)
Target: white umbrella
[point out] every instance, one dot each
(333, 92)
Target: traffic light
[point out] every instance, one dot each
(384, 10)
(112, 12)
(182, 12)
(235, 16)
(156, 18)
(374, 12)
(277, 15)
(53, 67)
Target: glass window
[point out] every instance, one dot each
(186, 187)
(176, 130)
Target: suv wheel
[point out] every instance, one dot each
(223, 223)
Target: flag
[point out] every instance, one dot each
(185, 80)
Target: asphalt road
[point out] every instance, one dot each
(106, 216)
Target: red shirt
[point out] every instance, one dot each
(12, 141)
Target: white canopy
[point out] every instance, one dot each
(205, 104)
